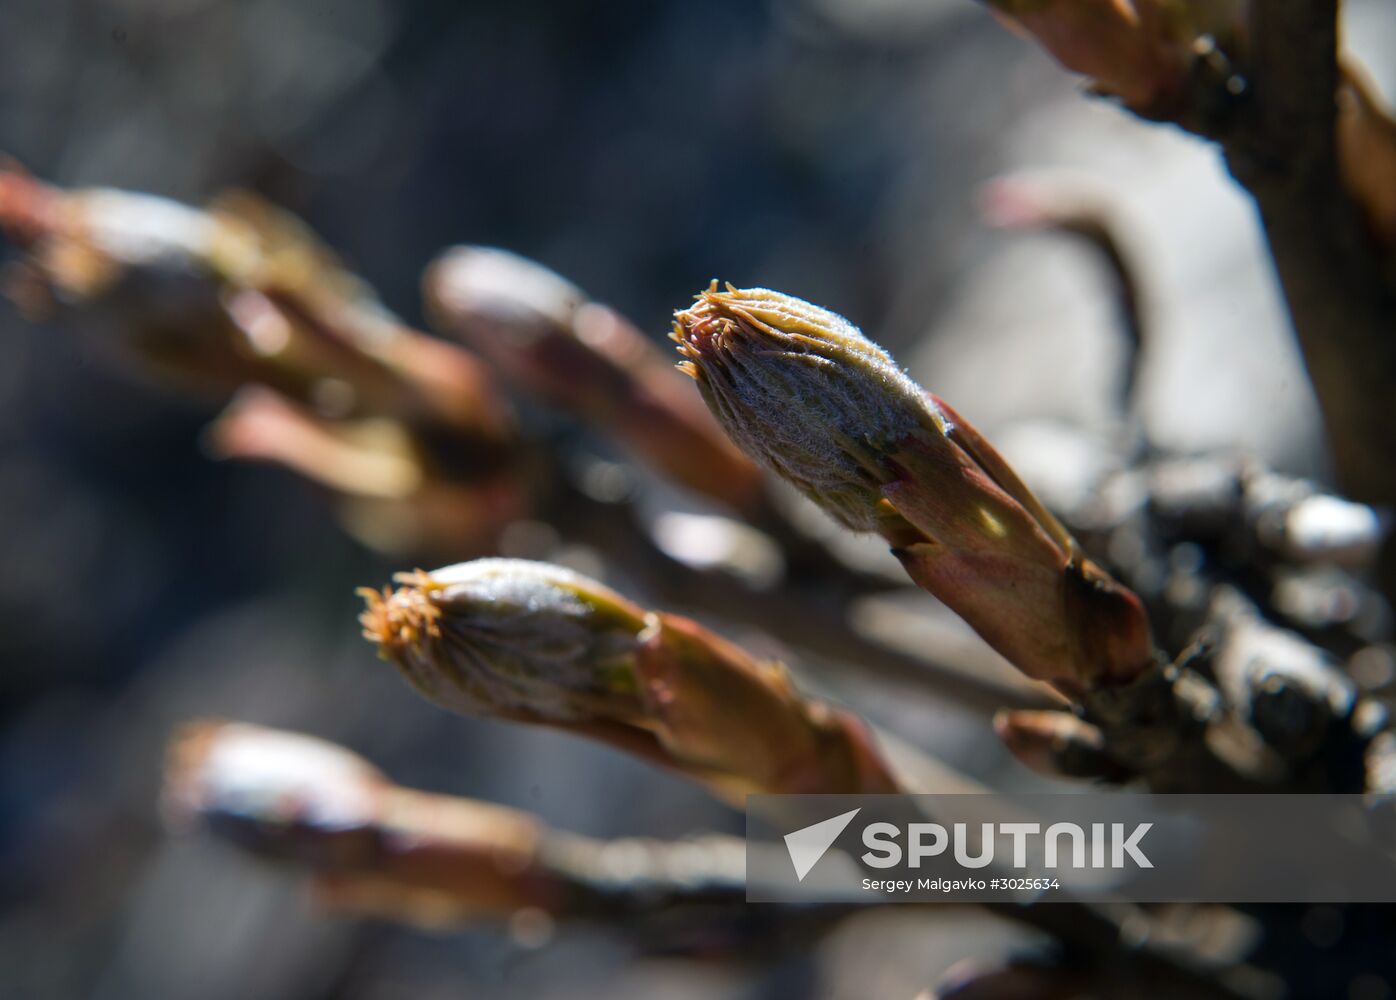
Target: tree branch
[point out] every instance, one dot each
(1283, 150)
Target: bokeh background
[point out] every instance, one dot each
(834, 149)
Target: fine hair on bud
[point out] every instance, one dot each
(511, 638)
(803, 392)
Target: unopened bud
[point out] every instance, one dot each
(511, 638)
(536, 643)
(803, 392)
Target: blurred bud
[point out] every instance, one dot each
(510, 290)
(585, 358)
(280, 794)
(364, 457)
(375, 848)
(345, 330)
(132, 271)
(395, 494)
(536, 643)
(707, 541)
(1056, 744)
(241, 300)
(803, 392)
(241, 292)
(371, 846)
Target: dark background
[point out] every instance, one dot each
(829, 148)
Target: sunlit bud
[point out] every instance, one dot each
(803, 392)
(536, 643)
(513, 639)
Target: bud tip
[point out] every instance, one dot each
(401, 617)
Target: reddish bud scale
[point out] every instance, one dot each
(535, 643)
(803, 392)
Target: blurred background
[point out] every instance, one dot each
(834, 149)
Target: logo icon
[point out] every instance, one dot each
(809, 844)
